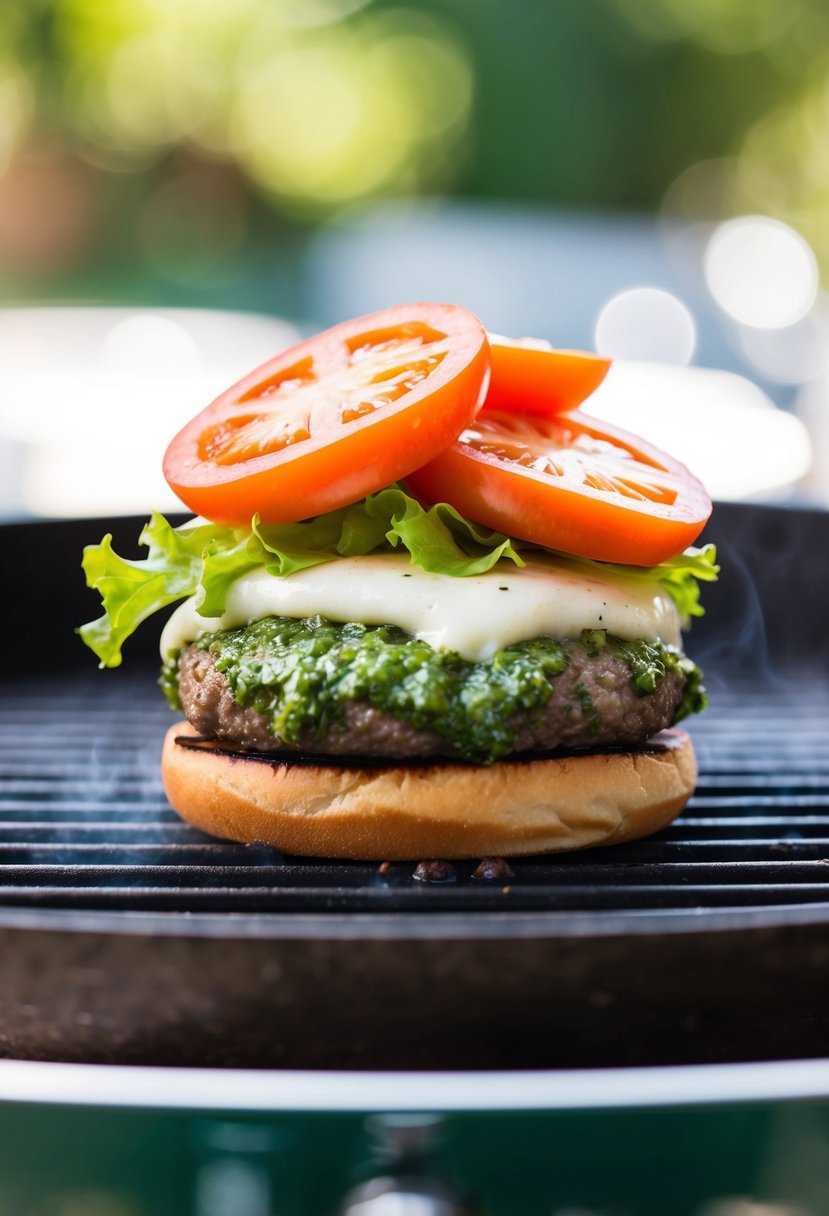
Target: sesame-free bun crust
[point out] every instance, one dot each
(398, 812)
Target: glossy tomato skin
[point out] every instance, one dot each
(532, 379)
(336, 453)
(568, 513)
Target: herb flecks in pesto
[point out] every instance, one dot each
(587, 707)
(649, 662)
(299, 674)
(168, 680)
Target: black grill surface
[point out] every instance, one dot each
(126, 936)
(84, 822)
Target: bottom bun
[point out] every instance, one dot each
(387, 811)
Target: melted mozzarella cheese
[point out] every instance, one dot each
(474, 616)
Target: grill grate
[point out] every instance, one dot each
(84, 822)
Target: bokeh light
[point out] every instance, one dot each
(737, 27)
(761, 272)
(812, 408)
(124, 381)
(728, 431)
(319, 158)
(794, 354)
(16, 107)
(319, 104)
(175, 350)
(339, 119)
(783, 163)
(646, 323)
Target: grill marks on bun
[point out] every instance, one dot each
(665, 740)
(376, 811)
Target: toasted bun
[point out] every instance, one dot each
(392, 811)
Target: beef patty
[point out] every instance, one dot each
(593, 703)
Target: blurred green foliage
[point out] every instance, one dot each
(146, 143)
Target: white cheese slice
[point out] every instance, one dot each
(474, 616)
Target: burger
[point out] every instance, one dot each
(429, 606)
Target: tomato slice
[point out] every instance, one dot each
(570, 483)
(334, 418)
(533, 378)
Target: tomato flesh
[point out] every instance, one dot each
(335, 418)
(397, 394)
(569, 483)
(532, 378)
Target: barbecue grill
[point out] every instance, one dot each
(127, 937)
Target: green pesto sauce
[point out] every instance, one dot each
(588, 708)
(648, 663)
(300, 673)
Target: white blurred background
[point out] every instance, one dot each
(186, 187)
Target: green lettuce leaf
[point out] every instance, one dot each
(439, 540)
(204, 559)
(131, 591)
(682, 575)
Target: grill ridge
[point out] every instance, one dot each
(84, 822)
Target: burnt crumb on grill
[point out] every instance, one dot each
(435, 871)
(494, 868)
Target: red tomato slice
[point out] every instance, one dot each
(335, 418)
(570, 483)
(534, 379)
